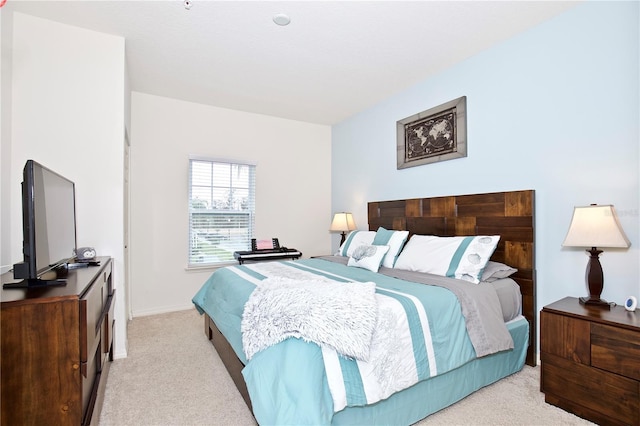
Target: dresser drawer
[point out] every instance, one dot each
(105, 278)
(616, 350)
(108, 324)
(91, 305)
(92, 367)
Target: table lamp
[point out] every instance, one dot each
(595, 226)
(342, 222)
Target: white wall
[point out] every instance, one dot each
(555, 109)
(68, 114)
(293, 183)
(6, 40)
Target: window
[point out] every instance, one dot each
(221, 210)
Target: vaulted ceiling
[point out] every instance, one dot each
(335, 58)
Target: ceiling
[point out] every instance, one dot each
(333, 60)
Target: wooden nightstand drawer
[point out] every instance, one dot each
(581, 389)
(616, 350)
(565, 337)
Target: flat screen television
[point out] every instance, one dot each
(48, 224)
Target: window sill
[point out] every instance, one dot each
(204, 268)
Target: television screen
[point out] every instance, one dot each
(54, 200)
(49, 221)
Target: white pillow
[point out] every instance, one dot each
(354, 240)
(368, 257)
(395, 240)
(463, 258)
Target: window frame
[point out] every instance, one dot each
(234, 243)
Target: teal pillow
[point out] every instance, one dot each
(382, 237)
(394, 239)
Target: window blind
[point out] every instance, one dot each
(221, 210)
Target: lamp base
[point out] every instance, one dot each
(595, 281)
(598, 303)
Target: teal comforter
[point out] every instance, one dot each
(289, 384)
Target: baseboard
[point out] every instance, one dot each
(120, 355)
(162, 310)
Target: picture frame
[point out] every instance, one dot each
(437, 134)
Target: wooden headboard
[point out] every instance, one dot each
(508, 214)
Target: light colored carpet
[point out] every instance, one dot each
(173, 376)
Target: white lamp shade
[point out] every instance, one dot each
(342, 222)
(595, 226)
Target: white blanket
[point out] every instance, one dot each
(335, 315)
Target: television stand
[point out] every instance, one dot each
(57, 346)
(52, 278)
(35, 283)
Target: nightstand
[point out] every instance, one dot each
(591, 361)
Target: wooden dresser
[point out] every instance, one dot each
(591, 361)
(56, 344)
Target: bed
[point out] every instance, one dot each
(294, 380)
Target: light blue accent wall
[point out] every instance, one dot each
(555, 109)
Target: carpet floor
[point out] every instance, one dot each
(173, 376)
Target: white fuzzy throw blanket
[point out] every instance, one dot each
(341, 316)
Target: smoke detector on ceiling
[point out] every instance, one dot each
(281, 19)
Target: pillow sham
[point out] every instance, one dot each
(394, 239)
(354, 240)
(368, 257)
(463, 258)
(495, 270)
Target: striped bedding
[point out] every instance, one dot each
(422, 334)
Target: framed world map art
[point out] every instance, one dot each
(434, 135)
